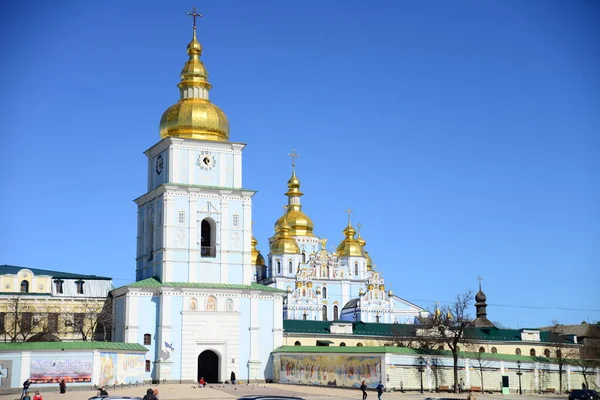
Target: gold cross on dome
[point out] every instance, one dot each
(358, 226)
(349, 211)
(480, 279)
(194, 15)
(293, 154)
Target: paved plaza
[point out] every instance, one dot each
(216, 391)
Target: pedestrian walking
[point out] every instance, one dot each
(62, 386)
(26, 385)
(232, 378)
(363, 387)
(380, 390)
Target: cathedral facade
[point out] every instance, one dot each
(205, 301)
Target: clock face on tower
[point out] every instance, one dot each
(206, 161)
(159, 164)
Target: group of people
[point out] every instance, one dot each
(25, 395)
(363, 387)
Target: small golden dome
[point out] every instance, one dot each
(390, 293)
(300, 224)
(369, 261)
(256, 257)
(309, 284)
(382, 287)
(194, 116)
(349, 247)
(284, 243)
(298, 284)
(370, 287)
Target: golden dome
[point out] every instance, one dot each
(349, 247)
(298, 284)
(194, 116)
(300, 224)
(363, 243)
(309, 284)
(256, 257)
(381, 287)
(284, 243)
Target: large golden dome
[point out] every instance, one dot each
(256, 257)
(349, 247)
(194, 116)
(284, 243)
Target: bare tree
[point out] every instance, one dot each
(586, 367)
(21, 319)
(481, 361)
(91, 316)
(563, 351)
(447, 325)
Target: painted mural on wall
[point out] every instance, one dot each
(348, 371)
(45, 370)
(121, 368)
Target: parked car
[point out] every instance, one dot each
(114, 398)
(583, 394)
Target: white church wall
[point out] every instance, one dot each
(266, 339)
(241, 364)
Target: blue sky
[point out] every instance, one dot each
(463, 134)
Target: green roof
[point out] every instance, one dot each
(14, 269)
(408, 330)
(155, 283)
(407, 351)
(71, 346)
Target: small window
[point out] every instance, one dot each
(236, 220)
(324, 313)
(24, 286)
(342, 344)
(304, 316)
(532, 352)
(53, 322)
(79, 286)
(441, 347)
(2, 322)
(26, 322)
(147, 339)
(335, 313)
(355, 268)
(558, 354)
(494, 350)
(278, 267)
(290, 267)
(78, 321)
(303, 258)
(181, 217)
(481, 350)
(297, 343)
(148, 364)
(547, 353)
(518, 351)
(359, 344)
(58, 285)
(377, 318)
(324, 292)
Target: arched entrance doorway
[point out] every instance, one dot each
(208, 366)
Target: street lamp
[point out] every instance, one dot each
(519, 373)
(421, 361)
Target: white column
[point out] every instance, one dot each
(131, 318)
(254, 357)
(224, 228)
(25, 366)
(95, 367)
(467, 373)
(193, 251)
(277, 321)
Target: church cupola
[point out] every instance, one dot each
(481, 309)
(349, 247)
(299, 223)
(284, 243)
(194, 116)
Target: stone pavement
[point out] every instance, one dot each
(231, 392)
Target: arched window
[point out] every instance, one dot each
(324, 313)
(377, 318)
(230, 307)
(24, 286)
(303, 258)
(481, 350)
(278, 267)
(359, 344)
(297, 343)
(304, 316)
(335, 313)
(558, 354)
(290, 267)
(342, 344)
(532, 352)
(207, 238)
(441, 347)
(494, 350)
(147, 339)
(547, 353)
(324, 292)
(355, 268)
(518, 351)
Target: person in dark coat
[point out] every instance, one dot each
(26, 385)
(63, 386)
(232, 378)
(150, 395)
(363, 387)
(102, 392)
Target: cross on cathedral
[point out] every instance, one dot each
(480, 279)
(194, 15)
(293, 154)
(349, 211)
(358, 227)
